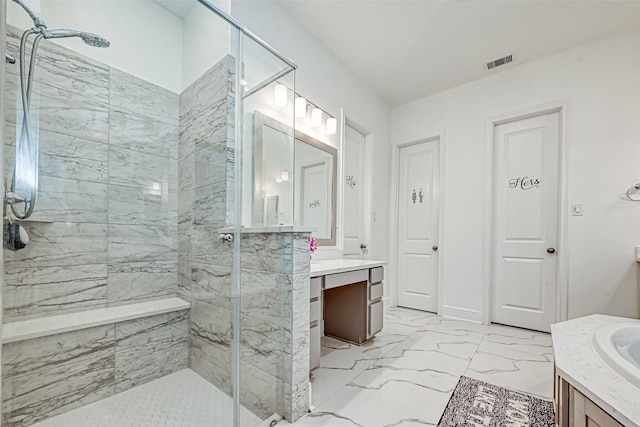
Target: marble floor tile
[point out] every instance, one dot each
(519, 370)
(416, 363)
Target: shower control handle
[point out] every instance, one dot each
(551, 251)
(225, 237)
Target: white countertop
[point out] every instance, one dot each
(578, 363)
(331, 266)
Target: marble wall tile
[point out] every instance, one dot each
(259, 390)
(151, 347)
(206, 128)
(39, 395)
(38, 291)
(261, 344)
(185, 240)
(296, 400)
(185, 207)
(263, 295)
(38, 354)
(152, 173)
(50, 375)
(184, 279)
(186, 173)
(60, 244)
(264, 251)
(296, 362)
(211, 323)
(142, 133)
(211, 284)
(296, 292)
(63, 156)
(133, 94)
(59, 111)
(140, 281)
(209, 88)
(210, 166)
(63, 68)
(211, 362)
(136, 243)
(208, 249)
(150, 361)
(210, 205)
(139, 206)
(70, 200)
(296, 258)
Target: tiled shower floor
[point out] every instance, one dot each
(182, 399)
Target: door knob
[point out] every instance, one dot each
(363, 246)
(434, 247)
(551, 250)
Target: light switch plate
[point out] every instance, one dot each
(577, 209)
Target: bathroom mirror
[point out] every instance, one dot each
(311, 165)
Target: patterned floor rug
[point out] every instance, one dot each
(476, 403)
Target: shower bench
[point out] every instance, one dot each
(54, 364)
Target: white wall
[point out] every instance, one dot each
(323, 80)
(599, 83)
(146, 40)
(205, 41)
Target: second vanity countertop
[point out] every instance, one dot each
(332, 266)
(579, 364)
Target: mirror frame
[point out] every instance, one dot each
(261, 120)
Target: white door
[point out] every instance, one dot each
(525, 222)
(354, 192)
(418, 188)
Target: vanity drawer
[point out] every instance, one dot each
(315, 310)
(340, 279)
(375, 292)
(316, 287)
(376, 275)
(376, 314)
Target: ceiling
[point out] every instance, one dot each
(405, 50)
(179, 8)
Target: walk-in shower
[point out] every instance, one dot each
(23, 189)
(126, 307)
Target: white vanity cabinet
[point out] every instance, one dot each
(346, 302)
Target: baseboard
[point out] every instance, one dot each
(459, 313)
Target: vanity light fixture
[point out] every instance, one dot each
(316, 117)
(280, 95)
(331, 126)
(301, 107)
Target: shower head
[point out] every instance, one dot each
(95, 40)
(89, 38)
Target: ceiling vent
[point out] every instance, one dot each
(498, 62)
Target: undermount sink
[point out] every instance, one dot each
(619, 346)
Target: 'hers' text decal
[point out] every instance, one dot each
(524, 183)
